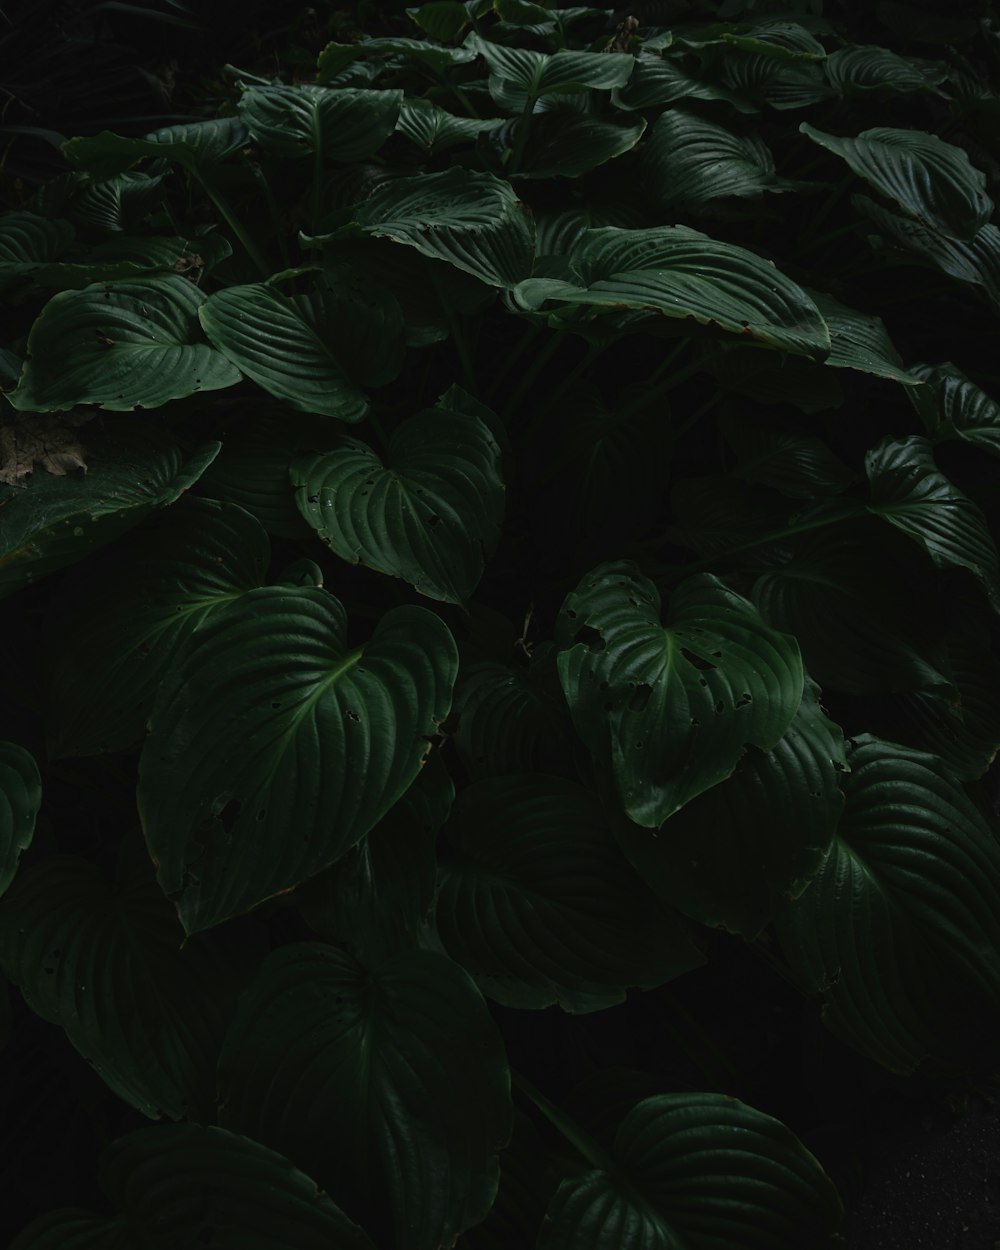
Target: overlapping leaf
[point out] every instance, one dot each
(697, 1170)
(915, 868)
(519, 75)
(110, 653)
(860, 341)
(20, 799)
(562, 142)
(961, 409)
(103, 960)
(435, 130)
(430, 512)
(198, 146)
(866, 68)
(690, 160)
(672, 706)
(682, 273)
(277, 724)
(387, 1082)
(343, 124)
(185, 1184)
(537, 903)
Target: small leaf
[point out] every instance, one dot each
(20, 799)
(672, 707)
(343, 124)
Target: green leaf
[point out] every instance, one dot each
(289, 345)
(961, 409)
(697, 1170)
(102, 959)
(109, 654)
(435, 130)
(861, 623)
(197, 146)
(446, 19)
(55, 521)
(276, 723)
(910, 492)
(860, 341)
(915, 867)
(430, 512)
(682, 273)
(122, 257)
(20, 799)
(692, 161)
(118, 203)
(185, 1184)
(863, 69)
(800, 466)
(518, 75)
(537, 903)
(732, 854)
(780, 83)
(931, 181)
(660, 81)
(563, 142)
(672, 707)
(784, 41)
(27, 240)
(120, 345)
(401, 1057)
(473, 221)
(343, 124)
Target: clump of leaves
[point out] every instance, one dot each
(539, 511)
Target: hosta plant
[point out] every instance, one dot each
(498, 540)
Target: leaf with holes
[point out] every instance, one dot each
(277, 724)
(671, 706)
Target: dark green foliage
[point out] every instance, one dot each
(498, 531)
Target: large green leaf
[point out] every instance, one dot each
(120, 345)
(429, 512)
(187, 1185)
(860, 341)
(910, 492)
(682, 273)
(961, 409)
(54, 521)
(732, 854)
(690, 160)
(27, 240)
(276, 723)
(663, 80)
(914, 868)
(20, 799)
(866, 68)
(701, 1171)
(518, 75)
(562, 142)
(108, 654)
(672, 706)
(435, 130)
(537, 903)
(342, 124)
(471, 220)
(288, 344)
(198, 146)
(387, 1082)
(931, 181)
(118, 203)
(102, 959)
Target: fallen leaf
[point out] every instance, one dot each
(43, 439)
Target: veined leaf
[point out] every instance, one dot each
(198, 146)
(401, 1058)
(785, 41)
(188, 1184)
(118, 203)
(289, 345)
(563, 143)
(961, 409)
(109, 655)
(663, 80)
(682, 273)
(20, 799)
(343, 124)
(518, 75)
(914, 865)
(26, 239)
(121, 345)
(672, 707)
(430, 513)
(867, 68)
(103, 960)
(690, 160)
(537, 903)
(931, 181)
(910, 492)
(697, 1170)
(732, 854)
(276, 724)
(55, 521)
(859, 341)
(435, 130)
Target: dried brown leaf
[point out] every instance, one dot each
(45, 440)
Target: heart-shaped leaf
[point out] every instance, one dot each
(698, 1170)
(110, 652)
(103, 960)
(186, 1185)
(55, 521)
(680, 272)
(121, 345)
(932, 181)
(910, 492)
(20, 799)
(343, 124)
(915, 868)
(400, 1058)
(430, 512)
(733, 853)
(277, 723)
(672, 706)
(538, 904)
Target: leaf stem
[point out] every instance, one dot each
(595, 1154)
(237, 227)
(523, 131)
